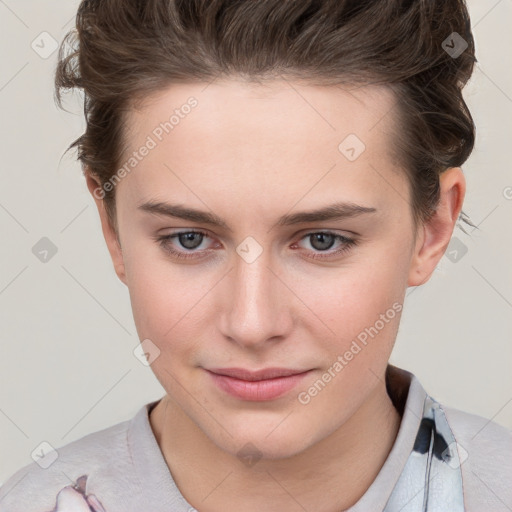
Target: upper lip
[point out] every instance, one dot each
(249, 375)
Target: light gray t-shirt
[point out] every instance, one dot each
(121, 468)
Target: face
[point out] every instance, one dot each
(265, 287)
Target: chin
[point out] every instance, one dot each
(255, 444)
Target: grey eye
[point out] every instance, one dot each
(322, 241)
(190, 240)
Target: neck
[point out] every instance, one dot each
(338, 470)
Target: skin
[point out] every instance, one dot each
(249, 154)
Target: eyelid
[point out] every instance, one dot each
(334, 231)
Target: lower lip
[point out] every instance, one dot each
(259, 390)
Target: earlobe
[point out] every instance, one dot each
(109, 233)
(435, 234)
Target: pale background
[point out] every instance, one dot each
(67, 366)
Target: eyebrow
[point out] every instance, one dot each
(334, 211)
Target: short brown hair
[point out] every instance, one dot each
(123, 50)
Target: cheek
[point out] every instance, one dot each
(167, 299)
(353, 297)
(155, 296)
(362, 306)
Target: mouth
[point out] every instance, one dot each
(260, 385)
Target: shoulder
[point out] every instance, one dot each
(35, 487)
(485, 452)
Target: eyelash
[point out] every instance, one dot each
(348, 243)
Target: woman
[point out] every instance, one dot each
(271, 177)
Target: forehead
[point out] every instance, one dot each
(235, 107)
(262, 138)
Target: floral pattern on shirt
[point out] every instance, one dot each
(73, 498)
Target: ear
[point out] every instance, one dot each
(434, 236)
(109, 232)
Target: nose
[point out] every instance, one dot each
(258, 304)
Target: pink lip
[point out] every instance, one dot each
(261, 385)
